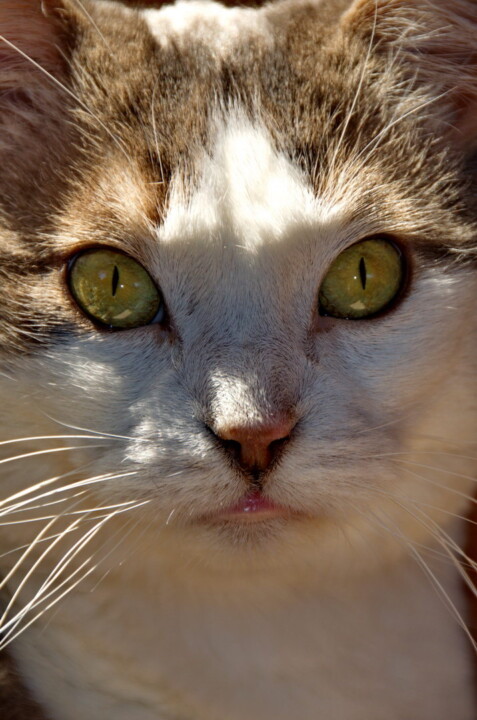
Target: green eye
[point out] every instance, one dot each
(363, 280)
(114, 289)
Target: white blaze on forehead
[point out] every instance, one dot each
(219, 27)
(248, 193)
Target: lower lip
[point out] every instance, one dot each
(252, 508)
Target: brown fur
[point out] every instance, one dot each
(15, 701)
(61, 147)
(58, 166)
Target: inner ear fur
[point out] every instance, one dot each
(437, 41)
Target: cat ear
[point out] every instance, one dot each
(33, 45)
(31, 36)
(437, 40)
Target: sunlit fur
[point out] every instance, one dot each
(124, 596)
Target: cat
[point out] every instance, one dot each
(237, 357)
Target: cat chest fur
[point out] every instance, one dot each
(321, 663)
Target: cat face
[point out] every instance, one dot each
(242, 419)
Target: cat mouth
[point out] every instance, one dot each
(252, 508)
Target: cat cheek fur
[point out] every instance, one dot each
(235, 153)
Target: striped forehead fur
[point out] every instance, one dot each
(339, 108)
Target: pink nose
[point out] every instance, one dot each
(255, 446)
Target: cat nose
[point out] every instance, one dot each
(255, 446)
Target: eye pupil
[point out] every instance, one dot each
(115, 280)
(114, 289)
(363, 280)
(362, 272)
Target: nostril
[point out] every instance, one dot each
(255, 446)
(232, 446)
(277, 444)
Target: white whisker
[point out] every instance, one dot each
(350, 112)
(441, 591)
(43, 593)
(25, 555)
(34, 438)
(90, 431)
(66, 90)
(374, 143)
(95, 25)
(48, 451)
(447, 488)
(436, 469)
(71, 486)
(11, 635)
(86, 511)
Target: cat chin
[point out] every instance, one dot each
(296, 548)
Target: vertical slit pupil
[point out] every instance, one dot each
(362, 272)
(115, 280)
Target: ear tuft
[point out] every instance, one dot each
(437, 40)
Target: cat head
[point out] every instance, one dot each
(191, 196)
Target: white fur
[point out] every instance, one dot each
(326, 617)
(248, 194)
(213, 24)
(361, 652)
